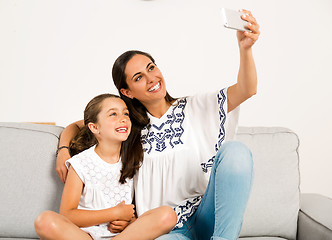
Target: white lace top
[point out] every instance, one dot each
(179, 149)
(101, 186)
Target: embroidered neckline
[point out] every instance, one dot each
(165, 132)
(153, 118)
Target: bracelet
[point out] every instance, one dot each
(57, 151)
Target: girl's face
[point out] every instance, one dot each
(144, 79)
(113, 121)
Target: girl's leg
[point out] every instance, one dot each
(150, 225)
(51, 225)
(220, 213)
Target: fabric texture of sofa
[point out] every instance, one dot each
(276, 208)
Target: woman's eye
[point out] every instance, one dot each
(126, 114)
(138, 78)
(151, 68)
(113, 114)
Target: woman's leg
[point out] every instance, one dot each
(221, 211)
(150, 225)
(51, 225)
(178, 234)
(173, 236)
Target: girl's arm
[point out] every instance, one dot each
(246, 85)
(63, 155)
(84, 218)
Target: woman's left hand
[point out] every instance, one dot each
(247, 39)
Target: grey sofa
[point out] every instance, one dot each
(276, 209)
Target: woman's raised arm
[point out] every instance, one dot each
(246, 85)
(63, 154)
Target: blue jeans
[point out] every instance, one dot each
(220, 213)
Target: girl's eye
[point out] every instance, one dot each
(138, 78)
(151, 68)
(113, 114)
(126, 114)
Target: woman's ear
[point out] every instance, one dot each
(126, 92)
(93, 128)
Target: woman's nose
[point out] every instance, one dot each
(149, 78)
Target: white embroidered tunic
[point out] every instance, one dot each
(179, 149)
(101, 187)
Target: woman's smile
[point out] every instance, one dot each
(155, 87)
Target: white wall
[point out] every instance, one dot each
(56, 55)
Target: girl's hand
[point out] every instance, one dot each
(125, 211)
(61, 169)
(119, 226)
(247, 39)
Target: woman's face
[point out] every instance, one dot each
(145, 81)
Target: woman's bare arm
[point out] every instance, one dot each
(246, 85)
(63, 154)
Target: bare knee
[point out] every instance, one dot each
(168, 218)
(46, 224)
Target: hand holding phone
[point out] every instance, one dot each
(232, 19)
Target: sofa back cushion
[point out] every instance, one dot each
(29, 183)
(274, 201)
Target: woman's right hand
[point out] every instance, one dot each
(61, 169)
(63, 154)
(125, 211)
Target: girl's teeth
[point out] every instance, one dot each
(121, 130)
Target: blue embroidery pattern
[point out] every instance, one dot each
(168, 134)
(221, 136)
(186, 210)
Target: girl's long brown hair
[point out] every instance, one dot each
(131, 150)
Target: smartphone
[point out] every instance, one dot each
(232, 19)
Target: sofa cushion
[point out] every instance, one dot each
(274, 201)
(29, 184)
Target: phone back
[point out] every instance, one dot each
(232, 19)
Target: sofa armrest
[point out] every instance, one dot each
(315, 217)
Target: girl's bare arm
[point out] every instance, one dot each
(84, 218)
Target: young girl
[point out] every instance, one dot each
(98, 192)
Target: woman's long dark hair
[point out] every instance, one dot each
(136, 108)
(131, 150)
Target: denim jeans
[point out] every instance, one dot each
(220, 213)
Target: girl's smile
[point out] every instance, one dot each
(122, 129)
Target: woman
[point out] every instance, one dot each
(187, 163)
